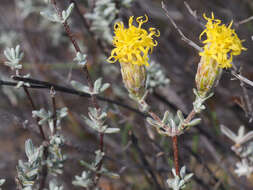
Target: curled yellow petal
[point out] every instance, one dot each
(221, 43)
(132, 45)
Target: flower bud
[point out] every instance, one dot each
(134, 78)
(207, 76)
(132, 46)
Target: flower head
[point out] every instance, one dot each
(221, 43)
(133, 44)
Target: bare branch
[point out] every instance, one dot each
(194, 14)
(244, 21)
(242, 78)
(183, 37)
(248, 105)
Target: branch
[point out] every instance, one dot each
(37, 84)
(248, 107)
(88, 28)
(88, 78)
(34, 108)
(194, 14)
(183, 37)
(144, 161)
(244, 21)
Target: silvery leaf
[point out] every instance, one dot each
(54, 186)
(180, 115)
(87, 165)
(112, 130)
(90, 123)
(81, 87)
(226, 131)
(104, 87)
(97, 85)
(62, 112)
(193, 122)
(14, 56)
(80, 59)
(84, 180)
(153, 122)
(99, 157)
(243, 168)
(66, 14)
(166, 117)
(2, 181)
(182, 171)
(107, 173)
(53, 17)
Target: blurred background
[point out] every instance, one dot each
(49, 57)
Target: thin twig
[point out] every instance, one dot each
(183, 37)
(244, 21)
(206, 167)
(213, 152)
(242, 78)
(37, 84)
(34, 108)
(144, 161)
(88, 28)
(88, 78)
(248, 108)
(249, 111)
(194, 14)
(44, 171)
(78, 49)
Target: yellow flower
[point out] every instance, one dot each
(133, 44)
(221, 43)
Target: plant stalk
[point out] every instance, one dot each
(175, 151)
